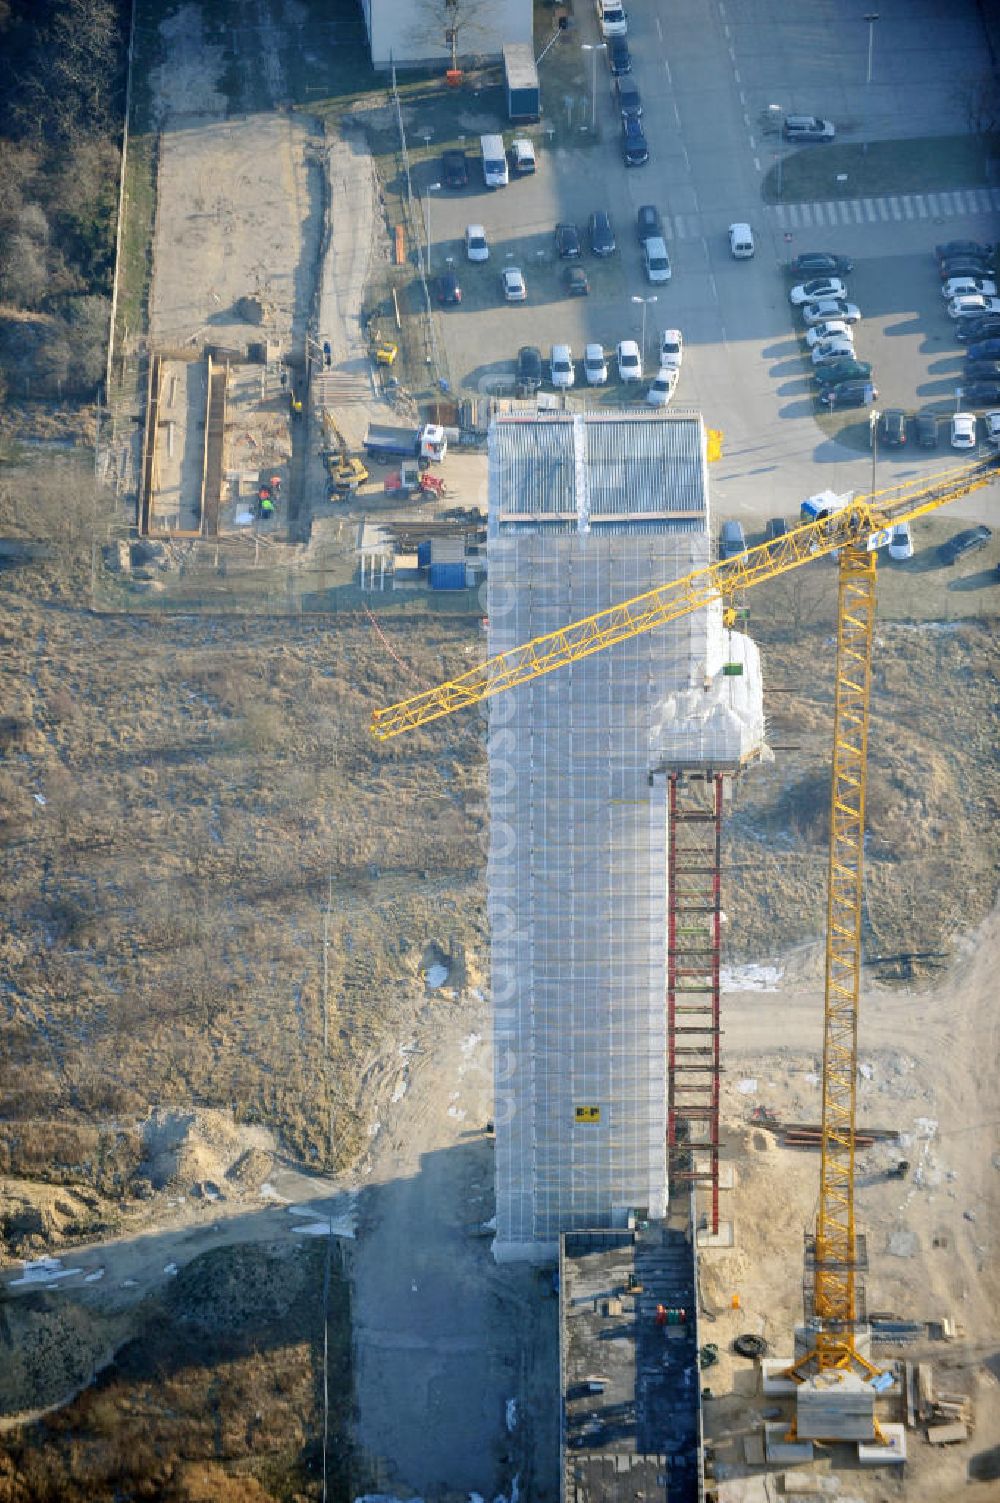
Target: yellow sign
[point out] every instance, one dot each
(714, 436)
(587, 1113)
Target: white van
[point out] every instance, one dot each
(741, 241)
(494, 161)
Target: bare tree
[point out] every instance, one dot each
(978, 96)
(454, 21)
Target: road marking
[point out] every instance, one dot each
(882, 207)
(726, 29)
(921, 206)
(946, 205)
(807, 213)
(743, 97)
(907, 203)
(895, 208)
(856, 209)
(715, 290)
(659, 29)
(933, 205)
(666, 69)
(736, 75)
(869, 209)
(756, 160)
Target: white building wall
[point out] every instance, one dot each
(410, 34)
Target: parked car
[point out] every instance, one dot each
(848, 394)
(833, 329)
(513, 283)
(595, 366)
(991, 423)
(561, 368)
(522, 156)
(964, 543)
(732, 540)
(842, 345)
(816, 290)
(926, 425)
(981, 393)
(776, 528)
(657, 261)
(820, 263)
(476, 247)
(448, 290)
(635, 148)
(971, 330)
(964, 266)
(602, 235)
(831, 307)
(567, 240)
(629, 361)
(892, 427)
(627, 93)
(672, 349)
(619, 57)
(576, 281)
(981, 370)
(901, 542)
(966, 286)
(741, 246)
(528, 371)
(963, 430)
(455, 169)
(972, 304)
(662, 388)
(962, 248)
(808, 128)
(648, 223)
(612, 18)
(984, 349)
(846, 368)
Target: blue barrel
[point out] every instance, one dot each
(424, 553)
(448, 576)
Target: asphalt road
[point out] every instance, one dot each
(708, 73)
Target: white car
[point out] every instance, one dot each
(475, 243)
(972, 305)
(561, 367)
(901, 542)
(595, 367)
(964, 286)
(522, 155)
(831, 307)
(963, 430)
(629, 361)
(671, 350)
(842, 347)
(514, 289)
(612, 17)
(835, 329)
(992, 421)
(662, 389)
(816, 290)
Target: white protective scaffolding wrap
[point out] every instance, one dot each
(586, 512)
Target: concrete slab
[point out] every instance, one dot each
(727, 1172)
(774, 1383)
(782, 1452)
(891, 1454)
(753, 1450)
(724, 1239)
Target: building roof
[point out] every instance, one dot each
(576, 472)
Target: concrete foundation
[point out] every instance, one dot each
(724, 1238)
(890, 1454)
(775, 1384)
(782, 1452)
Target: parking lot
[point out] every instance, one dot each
(711, 139)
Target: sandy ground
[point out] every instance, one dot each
(927, 1063)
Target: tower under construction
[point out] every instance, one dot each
(603, 868)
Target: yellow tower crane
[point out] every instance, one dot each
(854, 535)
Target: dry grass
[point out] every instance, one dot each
(218, 1396)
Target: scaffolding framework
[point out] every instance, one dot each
(694, 918)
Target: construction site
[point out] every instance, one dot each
(588, 939)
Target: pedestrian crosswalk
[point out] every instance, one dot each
(957, 203)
